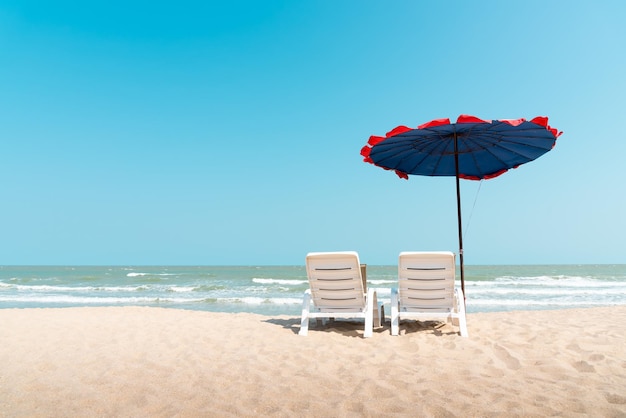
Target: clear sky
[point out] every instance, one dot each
(204, 132)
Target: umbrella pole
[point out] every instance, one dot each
(458, 209)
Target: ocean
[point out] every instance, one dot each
(278, 290)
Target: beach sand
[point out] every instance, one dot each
(153, 362)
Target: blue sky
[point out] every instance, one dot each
(198, 132)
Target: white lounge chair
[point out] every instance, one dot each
(337, 291)
(426, 290)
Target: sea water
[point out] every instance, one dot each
(275, 290)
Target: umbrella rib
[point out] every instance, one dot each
(410, 142)
(444, 143)
(488, 141)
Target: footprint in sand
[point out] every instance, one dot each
(616, 399)
(583, 367)
(503, 354)
(596, 357)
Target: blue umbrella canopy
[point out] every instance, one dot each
(471, 148)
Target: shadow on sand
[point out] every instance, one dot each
(354, 328)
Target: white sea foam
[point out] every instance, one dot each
(135, 274)
(293, 282)
(550, 291)
(250, 300)
(50, 288)
(566, 303)
(382, 282)
(75, 300)
(383, 291)
(548, 281)
(285, 301)
(181, 289)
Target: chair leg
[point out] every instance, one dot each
(377, 312)
(463, 326)
(306, 306)
(461, 308)
(369, 318)
(395, 314)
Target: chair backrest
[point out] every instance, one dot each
(335, 280)
(426, 281)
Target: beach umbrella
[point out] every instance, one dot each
(471, 148)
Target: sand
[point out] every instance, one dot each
(153, 362)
